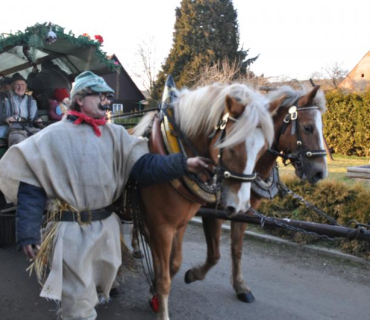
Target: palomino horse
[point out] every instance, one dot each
(298, 138)
(197, 112)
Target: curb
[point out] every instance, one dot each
(311, 248)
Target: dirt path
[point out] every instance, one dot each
(288, 283)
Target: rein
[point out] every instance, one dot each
(301, 152)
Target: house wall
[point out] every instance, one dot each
(359, 78)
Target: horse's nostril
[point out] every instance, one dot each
(230, 210)
(319, 176)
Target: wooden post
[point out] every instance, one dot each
(328, 151)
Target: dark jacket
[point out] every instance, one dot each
(148, 170)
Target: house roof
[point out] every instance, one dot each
(122, 83)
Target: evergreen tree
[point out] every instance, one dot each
(206, 32)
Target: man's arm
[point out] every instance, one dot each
(7, 114)
(154, 168)
(30, 208)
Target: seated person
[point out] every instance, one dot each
(20, 111)
(5, 84)
(5, 87)
(43, 83)
(59, 105)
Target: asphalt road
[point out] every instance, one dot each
(288, 284)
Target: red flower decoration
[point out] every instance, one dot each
(99, 39)
(86, 35)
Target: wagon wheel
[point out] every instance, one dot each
(7, 224)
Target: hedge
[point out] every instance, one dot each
(347, 122)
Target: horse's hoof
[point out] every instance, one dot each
(246, 297)
(189, 277)
(115, 292)
(137, 254)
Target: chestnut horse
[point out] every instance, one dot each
(299, 138)
(197, 112)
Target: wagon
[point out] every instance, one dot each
(36, 46)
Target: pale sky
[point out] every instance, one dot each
(294, 38)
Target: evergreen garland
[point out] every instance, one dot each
(35, 37)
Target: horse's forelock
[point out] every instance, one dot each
(255, 114)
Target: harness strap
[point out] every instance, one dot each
(227, 174)
(178, 131)
(292, 117)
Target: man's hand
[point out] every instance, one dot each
(38, 123)
(198, 164)
(9, 120)
(29, 251)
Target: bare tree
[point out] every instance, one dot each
(147, 67)
(333, 73)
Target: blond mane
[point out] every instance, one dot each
(291, 95)
(198, 111)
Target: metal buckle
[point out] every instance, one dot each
(293, 113)
(287, 118)
(224, 120)
(80, 222)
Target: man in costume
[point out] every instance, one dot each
(20, 111)
(80, 165)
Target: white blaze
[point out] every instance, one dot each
(254, 144)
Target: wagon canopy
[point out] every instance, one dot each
(20, 51)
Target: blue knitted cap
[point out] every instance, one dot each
(88, 79)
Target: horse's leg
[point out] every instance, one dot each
(161, 244)
(237, 236)
(136, 252)
(176, 253)
(212, 232)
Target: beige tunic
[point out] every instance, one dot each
(72, 164)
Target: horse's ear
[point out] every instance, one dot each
(308, 98)
(233, 107)
(274, 105)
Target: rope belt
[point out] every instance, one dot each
(83, 216)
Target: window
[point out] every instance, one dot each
(117, 108)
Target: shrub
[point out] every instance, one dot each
(340, 202)
(346, 122)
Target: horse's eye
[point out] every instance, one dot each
(232, 151)
(308, 129)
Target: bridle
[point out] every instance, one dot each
(297, 157)
(222, 172)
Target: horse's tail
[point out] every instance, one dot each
(141, 127)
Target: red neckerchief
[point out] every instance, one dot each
(81, 118)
